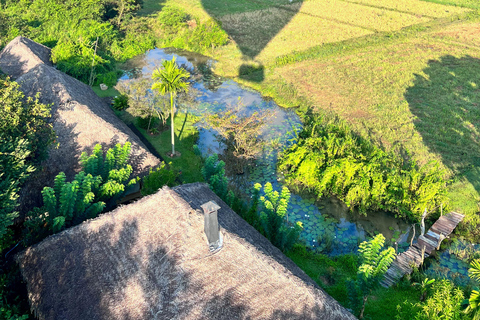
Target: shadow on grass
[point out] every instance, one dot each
(446, 103)
(252, 25)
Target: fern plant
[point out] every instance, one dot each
(330, 159)
(273, 213)
(474, 301)
(374, 265)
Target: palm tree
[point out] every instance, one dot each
(474, 301)
(170, 79)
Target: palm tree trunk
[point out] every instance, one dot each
(171, 120)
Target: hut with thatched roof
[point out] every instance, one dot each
(151, 260)
(80, 118)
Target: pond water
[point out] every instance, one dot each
(328, 224)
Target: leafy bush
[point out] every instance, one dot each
(330, 159)
(213, 172)
(374, 265)
(68, 203)
(158, 178)
(24, 139)
(209, 34)
(147, 122)
(273, 210)
(173, 19)
(120, 102)
(109, 78)
(444, 302)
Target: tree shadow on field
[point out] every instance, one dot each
(446, 103)
(252, 24)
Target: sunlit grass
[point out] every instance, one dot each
(474, 4)
(270, 33)
(468, 34)
(359, 15)
(416, 7)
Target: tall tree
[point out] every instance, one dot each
(172, 80)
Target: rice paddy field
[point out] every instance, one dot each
(404, 73)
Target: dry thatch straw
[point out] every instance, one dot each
(80, 118)
(21, 55)
(150, 260)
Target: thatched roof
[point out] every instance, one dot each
(150, 260)
(80, 118)
(21, 55)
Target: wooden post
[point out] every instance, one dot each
(413, 236)
(90, 82)
(441, 209)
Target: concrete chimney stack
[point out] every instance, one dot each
(212, 228)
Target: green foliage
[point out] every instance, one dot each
(374, 264)
(158, 178)
(103, 179)
(330, 159)
(209, 34)
(474, 301)
(8, 311)
(213, 172)
(198, 36)
(445, 302)
(110, 79)
(273, 211)
(24, 139)
(120, 102)
(424, 285)
(173, 19)
(147, 122)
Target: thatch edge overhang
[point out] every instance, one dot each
(21, 55)
(186, 200)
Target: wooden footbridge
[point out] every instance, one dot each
(426, 244)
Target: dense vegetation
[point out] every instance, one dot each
(330, 159)
(88, 37)
(24, 138)
(102, 181)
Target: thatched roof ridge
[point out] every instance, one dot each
(150, 260)
(21, 55)
(80, 118)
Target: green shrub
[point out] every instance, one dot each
(103, 179)
(330, 159)
(158, 178)
(213, 172)
(147, 122)
(24, 139)
(273, 210)
(109, 78)
(120, 102)
(173, 19)
(444, 302)
(208, 34)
